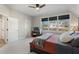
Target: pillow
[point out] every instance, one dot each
(71, 33)
(76, 31)
(65, 37)
(75, 43)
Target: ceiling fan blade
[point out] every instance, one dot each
(42, 5)
(31, 6)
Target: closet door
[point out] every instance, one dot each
(12, 29)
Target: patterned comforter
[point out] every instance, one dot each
(40, 40)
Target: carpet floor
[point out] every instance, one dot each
(17, 47)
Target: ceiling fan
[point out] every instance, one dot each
(37, 6)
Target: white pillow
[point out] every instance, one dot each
(65, 37)
(76, 31)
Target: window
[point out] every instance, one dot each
(62, 17)
(53, 23)
(63, 22)
(45, 23)
(56, 23)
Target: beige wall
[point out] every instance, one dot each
(73, 20)
(36, 22)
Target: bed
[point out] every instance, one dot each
(52, 45)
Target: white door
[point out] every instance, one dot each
(12, 29)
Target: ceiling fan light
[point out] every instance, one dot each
(37, 8)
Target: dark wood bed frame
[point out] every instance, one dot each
(49, 48)
(37, 50)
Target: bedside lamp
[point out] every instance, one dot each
(74, 28)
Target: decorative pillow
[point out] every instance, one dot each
(71, 33)
(65, 37)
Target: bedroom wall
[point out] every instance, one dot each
(74, 22)
(37, 20)
(24, 21)
(4, 10)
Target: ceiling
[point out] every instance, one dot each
(48, 9)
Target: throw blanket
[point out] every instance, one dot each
(40, 40)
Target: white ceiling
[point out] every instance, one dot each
(48, 9)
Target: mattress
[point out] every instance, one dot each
(55, 38)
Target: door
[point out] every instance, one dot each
(12, 29)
